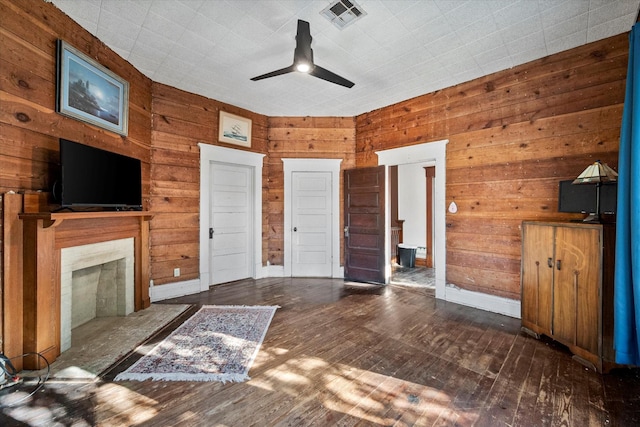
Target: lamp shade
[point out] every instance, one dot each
(597, 172)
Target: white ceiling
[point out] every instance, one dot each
(399, 50)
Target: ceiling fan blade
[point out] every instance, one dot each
(303, 52)
(289, 69)
(324, 74)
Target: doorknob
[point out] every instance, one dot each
(295, 228)
(346, 231)
(211, 233)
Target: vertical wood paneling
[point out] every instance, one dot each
(512, 136)
(180, 121)
(309, 138)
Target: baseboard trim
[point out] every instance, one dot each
(454, 294)
(174, 290)
(273, 271)
(492, 303)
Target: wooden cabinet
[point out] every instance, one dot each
(567, 287)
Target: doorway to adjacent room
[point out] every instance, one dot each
(427, 154)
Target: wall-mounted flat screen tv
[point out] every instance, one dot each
(581, 198)
(91, 177)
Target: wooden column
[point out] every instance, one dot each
(430, 174)
(41, 278)
(12, 322)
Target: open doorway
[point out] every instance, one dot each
(428, 154)
(411, 190)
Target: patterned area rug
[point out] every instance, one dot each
(218, 343)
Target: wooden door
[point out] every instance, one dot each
(364, 220)
(537, 276)
(231, 222)
(577, 271)
(311, 224)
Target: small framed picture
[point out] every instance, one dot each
(234, 129)
(89, 92)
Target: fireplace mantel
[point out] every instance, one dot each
(44, 235)
(53, 219)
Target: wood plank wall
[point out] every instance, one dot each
(512, 136)
(302, 138)
(180, 121)
(29, 125)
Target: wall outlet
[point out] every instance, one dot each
(176, 272)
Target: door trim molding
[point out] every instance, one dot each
(313, 165)
(420, 153)
(208, 155)
(429, 152)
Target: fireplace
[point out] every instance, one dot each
(57, 244)
(96, 280)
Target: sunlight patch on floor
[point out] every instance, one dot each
(372, 397)
(132, 408)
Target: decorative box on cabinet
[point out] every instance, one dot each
(567, 287)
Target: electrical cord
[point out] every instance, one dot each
(11, 373)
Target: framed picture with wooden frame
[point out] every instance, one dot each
(234, 129)
(89, 92)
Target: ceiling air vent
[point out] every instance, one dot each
(342, 13)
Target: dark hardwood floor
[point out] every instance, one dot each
(413, 276)
(352, 354)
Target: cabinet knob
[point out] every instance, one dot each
(550, 262)
(559, 265)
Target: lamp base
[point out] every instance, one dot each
(592, 218)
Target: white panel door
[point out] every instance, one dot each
(311, 224)
(231, 222)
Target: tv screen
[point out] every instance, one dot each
(91, 177)
(581, 198)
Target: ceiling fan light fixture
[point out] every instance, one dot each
(303, 67)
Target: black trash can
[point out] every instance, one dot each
(407, 255)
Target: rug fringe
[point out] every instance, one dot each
(223, 378)
(253, 307)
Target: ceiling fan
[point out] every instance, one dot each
(303, 60)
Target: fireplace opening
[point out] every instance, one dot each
(97, 291)
(96, 280)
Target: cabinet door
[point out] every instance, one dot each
(576, 283)
(537, 276)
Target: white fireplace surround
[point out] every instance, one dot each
(80, 257)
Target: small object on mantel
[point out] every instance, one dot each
(36, 201)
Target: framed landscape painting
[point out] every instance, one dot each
(89, 92)
(234, 129)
